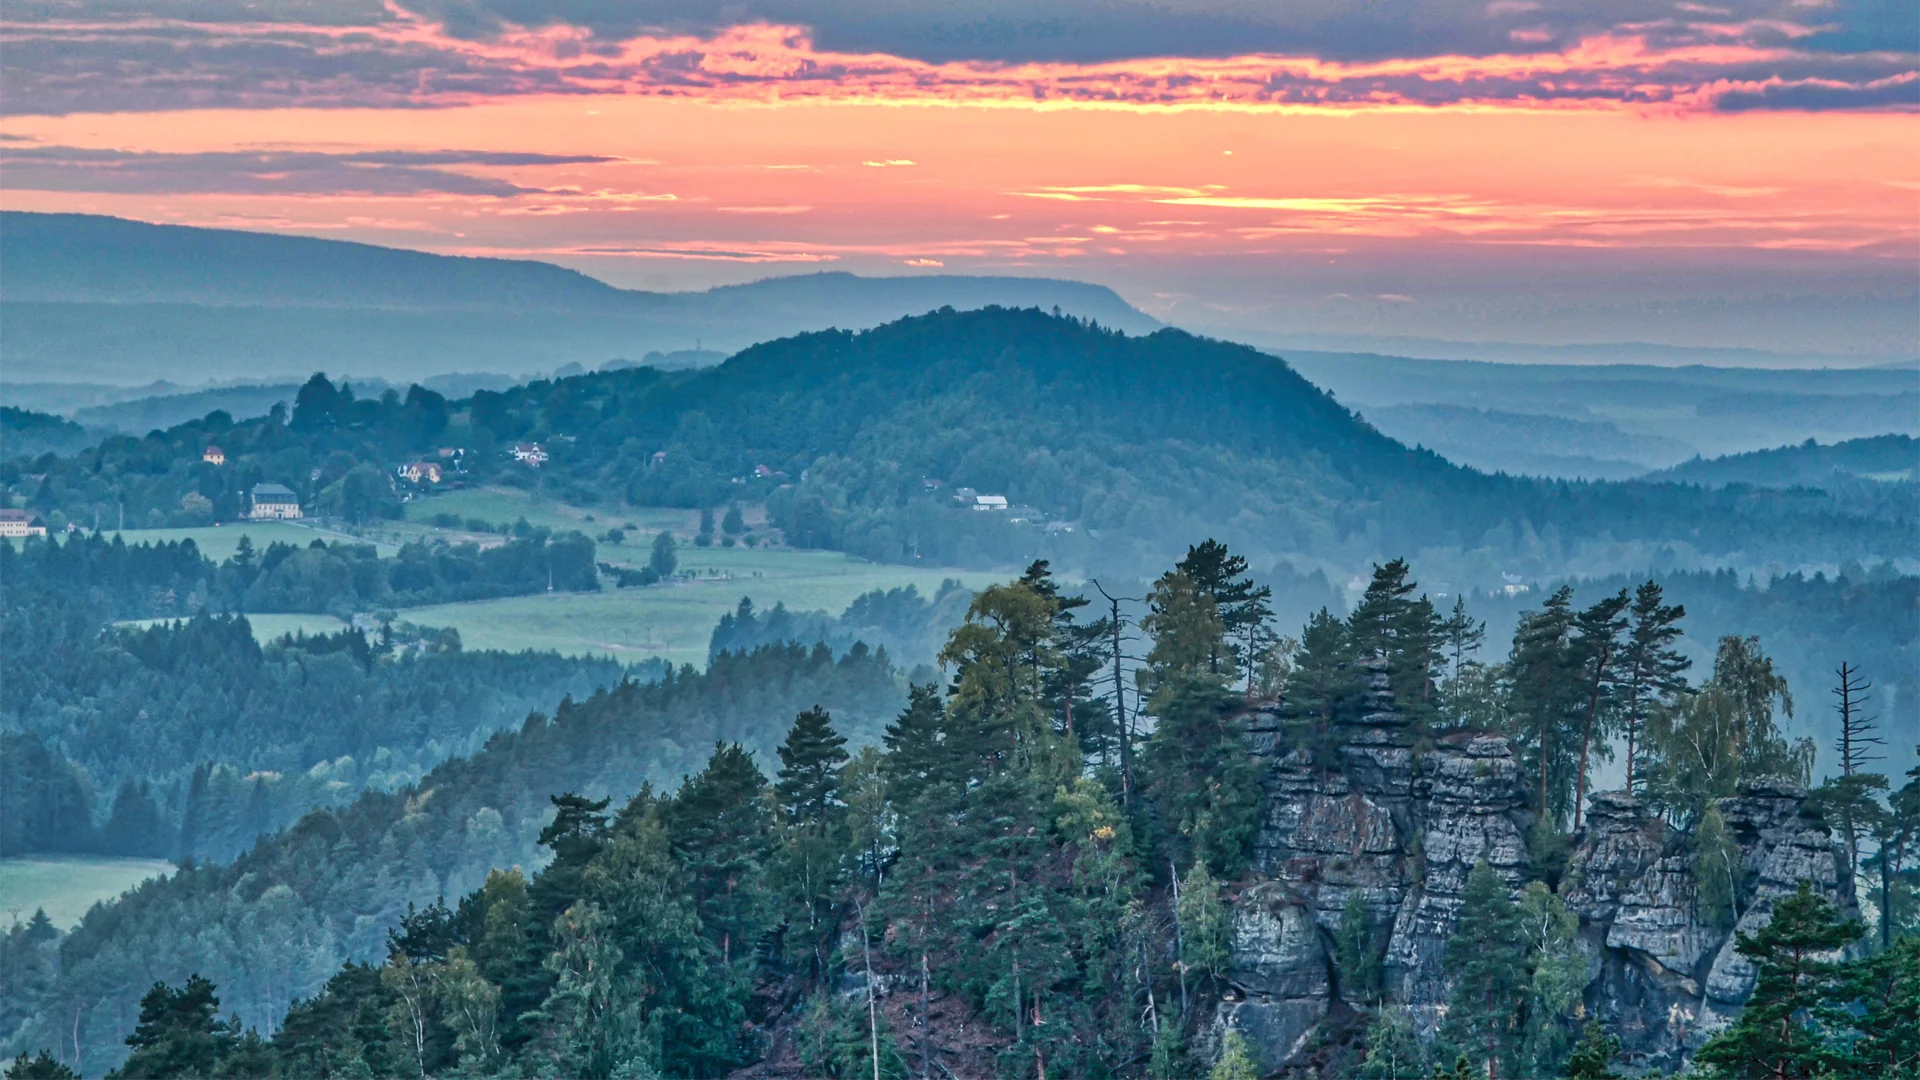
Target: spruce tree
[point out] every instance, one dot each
(1323, 686)
(1391, 622)
(1592, 1057)
(812, 816)
(42, 1066)
(1653, 671)
(1544, 694)
(916, 754)
(1486, 960)
(719, 826)
(810, 761)
(1393, 1050)
(1461, 636)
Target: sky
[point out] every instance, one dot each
(1742, 174)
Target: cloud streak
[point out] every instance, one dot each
(407, 58)
(273, 172)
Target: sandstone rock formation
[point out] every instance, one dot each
(1402, 829)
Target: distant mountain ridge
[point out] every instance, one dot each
(92, 297)
(1810, 464)
(1120, 450)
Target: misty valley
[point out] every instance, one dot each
(933, 678)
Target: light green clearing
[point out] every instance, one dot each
(675, 621)
(67, 885)
(269, 627)
(504, 506)
(219, 542)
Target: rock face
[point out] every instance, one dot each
(1401, 831)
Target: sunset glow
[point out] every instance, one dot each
(676, 160)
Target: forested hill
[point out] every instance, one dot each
(1120, 447)
(1884, 457)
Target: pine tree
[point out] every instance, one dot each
(1896, 832)
(1486, 959)
(1882, 995)
(42, 1066)
(179, 1033)
(1195, 767)
(1596, 660)
(1792, 1026)
(1653, 671)
(1241, 605)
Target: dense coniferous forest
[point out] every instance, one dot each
(172, 578)
(1110, 449)
(1000, 879)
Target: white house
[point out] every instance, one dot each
(21, 523)
(272, 502)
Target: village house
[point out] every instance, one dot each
(990, 502)
(213, 455)
(419, 471)
(532, 453)
(21, 523)
(272, 502)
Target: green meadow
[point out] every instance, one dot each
(674, 620)
(67, 885)
(219, 542)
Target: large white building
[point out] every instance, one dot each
(21, 523)
(271, 502)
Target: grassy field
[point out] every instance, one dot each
(219, 542)
(268, 627)
(674, 621)
(504, 506)
(671, 621)
(67, 885)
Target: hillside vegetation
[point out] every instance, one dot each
(1134, 441)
